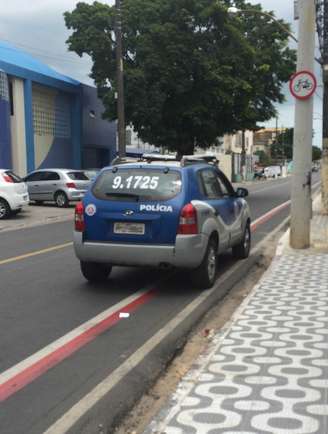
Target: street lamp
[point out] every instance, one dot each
(234, 11)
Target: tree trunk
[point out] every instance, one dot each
(185, 149)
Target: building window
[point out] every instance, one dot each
(3, 86)
(51, 114)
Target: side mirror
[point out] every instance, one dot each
(241, 192)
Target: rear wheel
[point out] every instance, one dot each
(204, 276)
(61, 199)
(4, 209)
(95, 272)
(241, 250)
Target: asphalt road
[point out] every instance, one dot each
(43, 297)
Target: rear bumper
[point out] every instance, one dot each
(188, 252)
(73, 195)
(17, 201)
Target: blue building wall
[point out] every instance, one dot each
(91, 140)
(98, 135)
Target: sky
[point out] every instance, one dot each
(37, 26)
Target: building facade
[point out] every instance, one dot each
(48, 119)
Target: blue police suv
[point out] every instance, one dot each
(161, 212)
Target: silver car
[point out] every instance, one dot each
(59, 185)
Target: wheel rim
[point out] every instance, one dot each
(60, 199)
(3, 210)
(211, 264)
(247, 239)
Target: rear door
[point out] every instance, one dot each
(134, 205)
(33, 184)
(49, 184)
(211, 189)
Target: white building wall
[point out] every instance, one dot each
(17, 121)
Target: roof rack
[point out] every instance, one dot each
(188, 160)
(125, 160)
(158, 157)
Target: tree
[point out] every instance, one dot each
(316, 153)
(264, 159)
(192, 73)
(283, 147)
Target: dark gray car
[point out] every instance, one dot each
(59, 185)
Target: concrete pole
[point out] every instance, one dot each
(301, 203)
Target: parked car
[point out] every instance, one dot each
(161, 213)
(59, 185)
(272, 171)
(13, 193)
(91, 173)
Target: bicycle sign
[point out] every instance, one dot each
(303, 84)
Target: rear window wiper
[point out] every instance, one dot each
(127, 195)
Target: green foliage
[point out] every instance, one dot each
(316, 153)
(283, 147)
(192, 72)
(264, 159)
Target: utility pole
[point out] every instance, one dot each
(120, 81)
(301, 203)
(322, 26)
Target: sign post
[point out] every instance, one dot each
(302, 86)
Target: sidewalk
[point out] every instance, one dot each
(35, 215)
(267, 371)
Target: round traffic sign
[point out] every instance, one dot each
(303, 84)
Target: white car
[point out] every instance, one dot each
(272, 172)
(13, 193)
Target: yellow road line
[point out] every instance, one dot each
(36, 253)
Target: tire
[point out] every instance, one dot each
(16, 211)
(95, 272)
(241, 250)
(204, 276)
(61, 199)
(5, 210)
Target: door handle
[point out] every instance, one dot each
(54, 184)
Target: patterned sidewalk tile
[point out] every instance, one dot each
(269, 372)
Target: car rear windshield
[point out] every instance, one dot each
(14, 178)
(78, 176)
(137, 184)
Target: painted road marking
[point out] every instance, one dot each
(25, 372)
(267, 216)
(67, 421)
(36, 253)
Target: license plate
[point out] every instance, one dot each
(129, 228)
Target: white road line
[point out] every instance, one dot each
(29, 361)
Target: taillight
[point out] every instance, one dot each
(8, 178)
(188, 220)
(70, 185)
(79, 217)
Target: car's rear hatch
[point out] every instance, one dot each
(134, 205)
(15, 183)
(80, 180)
